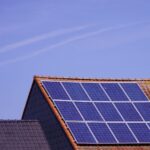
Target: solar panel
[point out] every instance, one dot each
(55, 90)
(114, 92)
(75, 91)
(144, 109)
(102, 133)
(108, 111)
(122, 133)
(95, 91)
(128, 112)
(88, 111)
(133, 91)
(102, 113)
(81, 133)
(141, 131)
(68, 110)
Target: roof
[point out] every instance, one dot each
(24, 135)
(144, 84)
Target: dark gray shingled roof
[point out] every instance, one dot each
(22, 135)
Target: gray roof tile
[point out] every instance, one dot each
(22, 134)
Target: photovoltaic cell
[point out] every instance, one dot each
(55, 90)
(81, 133)
(133, 91)
(108, 111)
(122, 133)
(114, 92)
(144, 109)
(141, 131)
(88, 111)
(75, 91)
(128, 112)
(68, 110)
(102, 133)
(95, 91)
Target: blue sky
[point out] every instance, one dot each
(81, 38)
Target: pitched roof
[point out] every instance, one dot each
(24, 135)
(144, 84)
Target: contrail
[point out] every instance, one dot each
(42, 37)
(64, 42)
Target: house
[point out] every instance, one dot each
(85, 114)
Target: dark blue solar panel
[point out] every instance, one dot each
(88, 111)
(133, 91)
(128, 112)
(122, 133)
(95, 92)
(114, 92)
(102, 133)
(68, 110)
(55, 90)
(75, 91)
(81, 133)
(71, 113)
(141, 131)
(108, 111)
(144, 109)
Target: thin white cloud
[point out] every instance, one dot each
(29, 41)
(64, 42)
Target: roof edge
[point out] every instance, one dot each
(26, 103)
(90, 79)
(49, 102)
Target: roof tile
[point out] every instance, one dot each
(20, 134)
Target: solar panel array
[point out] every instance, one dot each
(102, 113)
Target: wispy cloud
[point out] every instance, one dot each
(38, 38)
(65, 42)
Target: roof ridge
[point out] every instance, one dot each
(92, 79)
